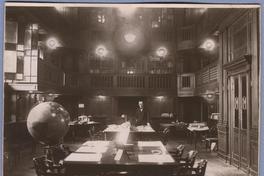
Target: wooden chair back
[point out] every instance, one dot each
(45, 167)
(41, 165)
(193, 171)
(201, 168)
(191, 156)
(165, 135)
(180, 149)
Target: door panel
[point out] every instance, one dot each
(239, 118)
(236, 142)
(243, 145)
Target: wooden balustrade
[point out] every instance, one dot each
(141, 81)
(160, 81)
(130, 81)
(50, 77)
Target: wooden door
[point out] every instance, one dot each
(239, 100)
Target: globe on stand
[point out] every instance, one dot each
(48, 123)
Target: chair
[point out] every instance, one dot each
(189, 160)
(165, 135)
(46, 167)
(210, 141)
(210, 137)
(66, 150)
(58, 153)
(194, 171)
(177, 154)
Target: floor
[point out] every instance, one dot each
(215, 167)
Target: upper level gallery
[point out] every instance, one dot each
(78, 50)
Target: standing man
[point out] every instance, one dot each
(141, 115)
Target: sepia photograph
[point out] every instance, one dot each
(131, 89)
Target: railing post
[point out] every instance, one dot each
(115, 81)
(209, 74)
(146, 81)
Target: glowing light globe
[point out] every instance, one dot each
(130, 37)
(101, 51)
(209, 45)
(48, 123)
(162, 52)
(52, 43)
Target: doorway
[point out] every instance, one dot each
(239, 104)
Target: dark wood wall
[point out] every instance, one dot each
(190, 109)
(69, 102)
(112, 107)
(239, 49)
(99, 106)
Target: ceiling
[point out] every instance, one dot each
(75, 24)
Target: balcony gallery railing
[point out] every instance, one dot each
(51, 77)
(136, 81)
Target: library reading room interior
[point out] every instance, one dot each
(137, 90)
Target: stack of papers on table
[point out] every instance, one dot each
(117, 128)
(91, 149)
(144, 128)
(84, 157)
(149, 144)
(72, 122)
(198, 128)
(148, 158)
(96, 143)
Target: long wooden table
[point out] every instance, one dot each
(135, 133)
(148, 158)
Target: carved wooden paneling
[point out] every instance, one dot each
(255, 73)
(254, 155)
(223, 150)
(244, 149)
(236, 142)
(238, 41)
(254, 158)
(254, 134)
(222, 142)
(239, 33)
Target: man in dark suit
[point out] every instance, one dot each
(141, 115)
